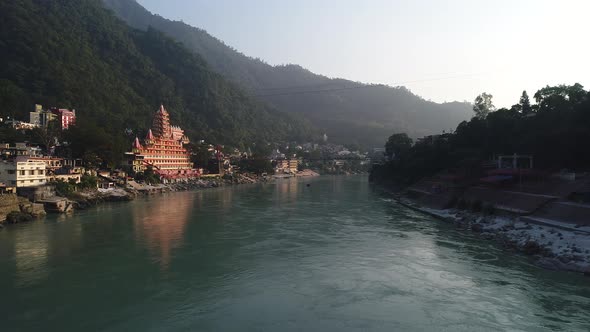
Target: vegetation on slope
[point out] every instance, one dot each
(77, 54)
(555, 130)
(366, 115)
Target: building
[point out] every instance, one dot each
(75, 177)
(163, 151)
(65, 117)
(10, 151)
(52, 164)
(20, 125)
(41, 117)
(23, 172)
(6, 189)
(289, 166)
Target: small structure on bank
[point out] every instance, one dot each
(163, 151)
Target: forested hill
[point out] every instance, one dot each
(78, 54)
(367, 115)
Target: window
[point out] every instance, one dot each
(41, 172)
(31, 172)
(21, 173)
(11, 171)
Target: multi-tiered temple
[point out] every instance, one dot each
(163, 150)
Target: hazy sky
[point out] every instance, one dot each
(456, 49)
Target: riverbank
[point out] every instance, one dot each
(15, 209)
(554, 247)
(334, 256)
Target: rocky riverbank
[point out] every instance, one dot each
(552, 247)
(135, 188)
(15, 209)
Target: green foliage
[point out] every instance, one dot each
(200, 154)
(525, 104)
(555, 132)
(67, 189)
(261, 149)
(397, 144)
(76, 54)
(9, 134)
(63, 188)
(149, 176)
(88, 182)
(48, 136)
(483, 105)
(384, 109)
(256, 165)
(554, 97)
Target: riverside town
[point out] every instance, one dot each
(52, 179)
(294, 165)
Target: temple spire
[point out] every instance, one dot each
(161, 125)
(136, 144)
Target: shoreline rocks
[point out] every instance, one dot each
(552, 248)
(15, 209)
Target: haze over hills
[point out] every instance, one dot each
(347, 111)
(77, 54)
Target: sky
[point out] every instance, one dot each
(441, 50)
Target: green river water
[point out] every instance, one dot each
(332, 256)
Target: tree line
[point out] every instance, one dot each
(554, 128)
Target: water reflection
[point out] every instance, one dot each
(40, 246)
(287, 190)
(160, 225)
(333, 256)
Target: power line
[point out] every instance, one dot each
(299, 86)
(367, 86)
(315, 91)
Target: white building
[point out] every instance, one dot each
(23, 173)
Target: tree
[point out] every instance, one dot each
(48, 135)
(483, 105)
(558, 138)
(200, 154)
(91, 160)
(525, 103)
(262, 149)
(9, 134)
(256, 165)
(555, 97)
(397, 144)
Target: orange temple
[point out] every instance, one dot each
(163, 150)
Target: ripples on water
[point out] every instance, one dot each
(335, 256)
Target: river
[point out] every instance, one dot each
(332, 256)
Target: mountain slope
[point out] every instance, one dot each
(365, 114)
(76, 53)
